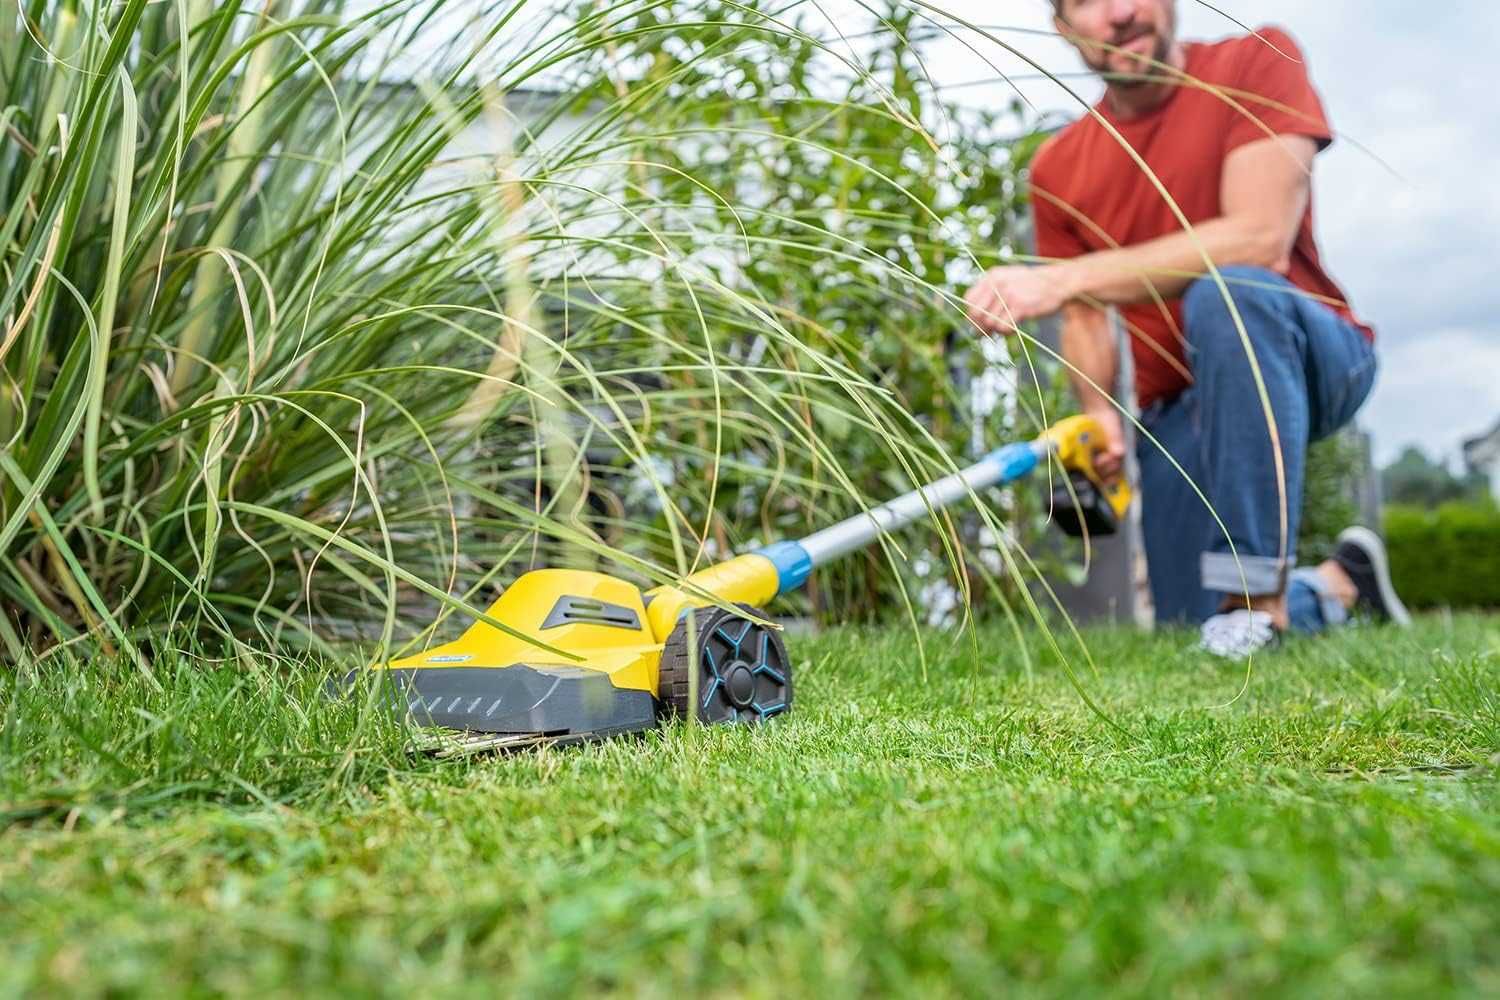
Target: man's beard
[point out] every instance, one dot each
(1142, 73)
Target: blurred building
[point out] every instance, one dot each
(1482, 457)
(1364, 486)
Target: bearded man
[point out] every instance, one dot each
(1202, 153)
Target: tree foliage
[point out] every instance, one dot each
(1416, 480)
(854, 200)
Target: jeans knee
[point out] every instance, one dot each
(1258, 296)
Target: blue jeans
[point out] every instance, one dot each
(1318, 368)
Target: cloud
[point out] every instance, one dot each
(1436, 391)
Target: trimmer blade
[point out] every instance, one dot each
(447, 744)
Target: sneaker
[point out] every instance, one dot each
(1239, 633)
(1361, 554)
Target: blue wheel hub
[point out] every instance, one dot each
(745, 672)
(739, 684)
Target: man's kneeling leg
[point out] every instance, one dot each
(1314, 370)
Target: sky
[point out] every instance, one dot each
(1407, 199)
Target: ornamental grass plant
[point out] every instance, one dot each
(323, 320)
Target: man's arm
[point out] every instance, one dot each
(1088, 345)
(1264, 192)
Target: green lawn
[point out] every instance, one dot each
(979, 830)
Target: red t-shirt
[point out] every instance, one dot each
(1088, 194)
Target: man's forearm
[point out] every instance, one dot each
(1088, 346)
(1264, 192)
(1263, 200)
(1170, 263)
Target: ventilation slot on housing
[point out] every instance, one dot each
(589, 611)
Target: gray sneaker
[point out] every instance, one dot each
(1361, 554)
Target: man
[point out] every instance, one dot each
(1222, 137)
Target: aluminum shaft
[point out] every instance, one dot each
(1002, 466)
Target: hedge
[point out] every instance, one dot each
(1448, 557)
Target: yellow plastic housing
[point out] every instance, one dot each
(629, 656)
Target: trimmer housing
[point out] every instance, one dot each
(584, 655)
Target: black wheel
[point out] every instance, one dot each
(744, 674)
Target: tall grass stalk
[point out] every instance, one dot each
(234, 177)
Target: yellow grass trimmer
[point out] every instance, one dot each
(608, 659)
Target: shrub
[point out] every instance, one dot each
(852, 197)
(1335, 466)
(1445, 557)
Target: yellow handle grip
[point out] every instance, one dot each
(748, 579)
(1075, 440)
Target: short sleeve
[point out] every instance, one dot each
(1275, 93)
(1057, 236)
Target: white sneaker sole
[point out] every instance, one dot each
(1238, 634)
(1371, 543)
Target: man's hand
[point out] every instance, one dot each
(1109, 461)
(1008, 296)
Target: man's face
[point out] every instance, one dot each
(1120, 36)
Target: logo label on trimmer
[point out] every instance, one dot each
(451, 658)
